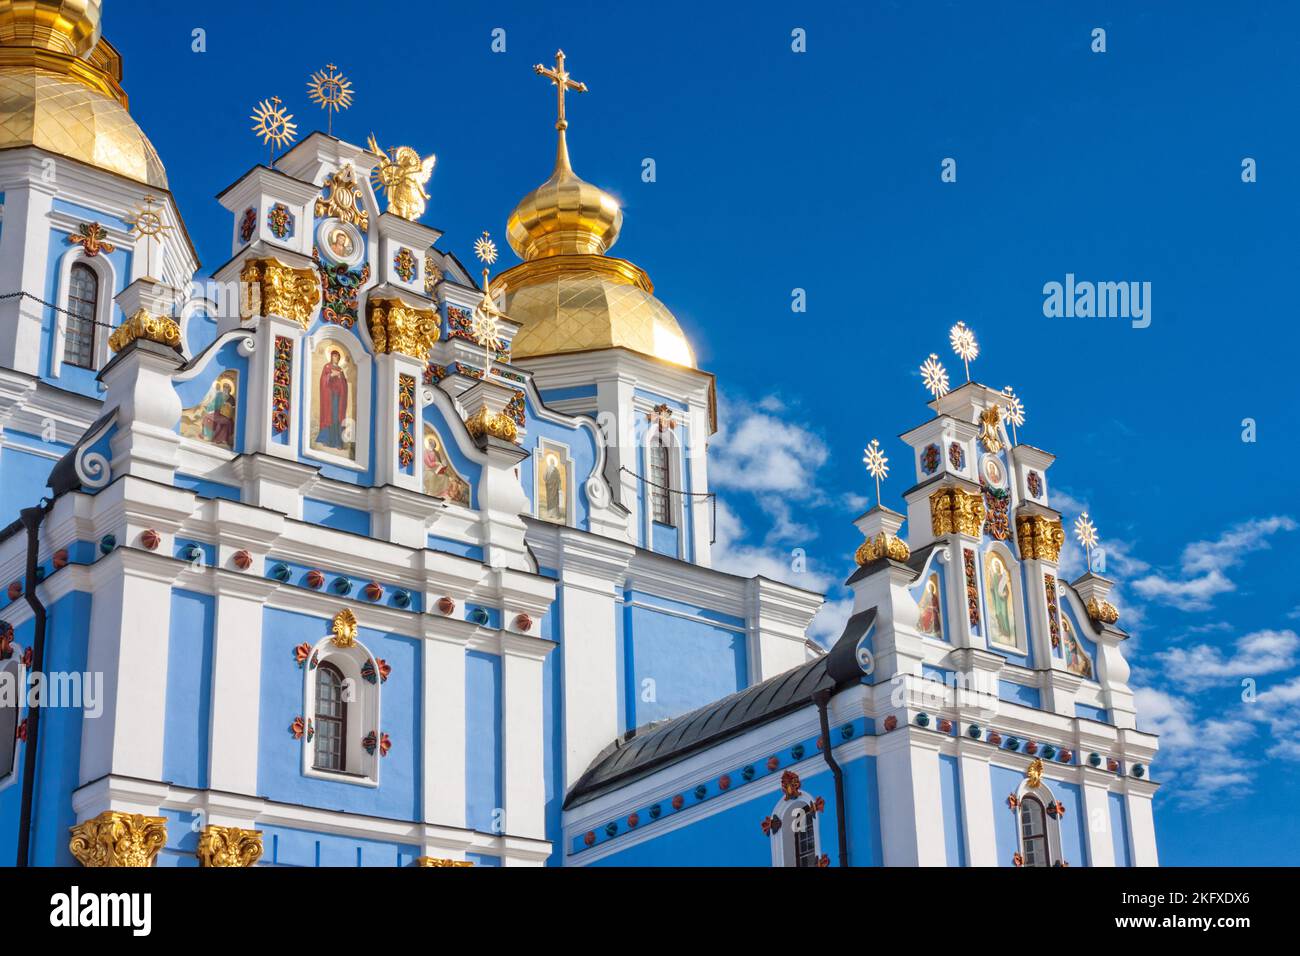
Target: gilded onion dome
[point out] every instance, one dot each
(567, 294)
(60, 89)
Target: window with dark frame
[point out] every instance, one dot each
(1033, 831)
(805, 839)
(83, 305)
(8, 723)
(661, 509)
(331, 719)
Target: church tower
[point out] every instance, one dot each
(599, 343)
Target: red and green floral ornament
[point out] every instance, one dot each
(930, 459)
(771, 825)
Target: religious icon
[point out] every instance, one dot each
(340, 242)
(1076, 658)
(999, 600)
(552, 484)
(213, 419)
(440, 478)
(333, 400)
(930, 619)
(994, 472)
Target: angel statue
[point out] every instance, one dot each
(402, 177)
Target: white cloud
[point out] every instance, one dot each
(733, 554)
(1278, 707)
(1200, 760)
(1255, 654)
(1203, 565)
(757, 452)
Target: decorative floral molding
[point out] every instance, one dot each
(954, 511)
(396, 327)
(1039, 537)
(269, 287)
(229, 846)
(152, 328)
(118, 839)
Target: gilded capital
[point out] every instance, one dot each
(1040, 537)
(153, 328)
(229, 846)
(954, 511)
(396, 327)
(882, 545)
(486, 422)
(268, 287)
(118, 839)
(439, 861)
(1102, 611)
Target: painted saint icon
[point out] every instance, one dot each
(213, 419)
(441, 479)
(930, 619)
(999, 600)
(552, 483)
(1076, 658)
(333, 401)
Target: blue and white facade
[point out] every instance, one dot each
(301, 490)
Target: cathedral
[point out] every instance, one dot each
(343, 554)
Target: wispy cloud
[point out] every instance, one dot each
(1200, 759)
(1254, 655)
(1203, 566)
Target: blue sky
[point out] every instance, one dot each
(821, 171)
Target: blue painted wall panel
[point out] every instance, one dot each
(1119, 829)
(483, 749)
(187, 733)
(954, 830)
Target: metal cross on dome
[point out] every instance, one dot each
(563, 83)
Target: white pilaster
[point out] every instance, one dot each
(911, 805)
(977, 803)
(523, 721)
(443, 721)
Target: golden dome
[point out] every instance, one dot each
(60, 89)
(575, 303)
(564, 216)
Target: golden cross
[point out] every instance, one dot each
(560, 77)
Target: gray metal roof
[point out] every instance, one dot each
(647, 749)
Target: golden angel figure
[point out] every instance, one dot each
(402, 176)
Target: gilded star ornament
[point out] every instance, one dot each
(485, 249)
(934, 376)
(1013, 412)
(147, 223)
(485, 325)
(963, 343)
(1086, 533)
(331, 91)
(877, 465)
(274, 125)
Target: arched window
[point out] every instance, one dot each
(331, 718)
(805, 839)
(1033, 832)
(661, 507)
(83, 306)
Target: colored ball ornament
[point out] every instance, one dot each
(701, 792)
(192, 553)
(1094, 760)
(1048, 751)
(1031, 747)
(773, 763)
(890, 723)
(479, 616)
(1139, 771)
(945, 725)
(107, 543)
(611, 828)
(446, 605)
(923, 719)
(633, 820)
(402, 598)
(374, 591)
(724, 782)
(341, 585)
(1112, 765)
(1013, 743)
(974, 731)
(315, 580)
(797, 751)
(280, 572)
(243, 560)
(677, 801)
(15, 590)
(60, 558)
(748, 771)
(995, 738)
(150, 539)
(1066, 756)
(589, 838)
(523, 622)
(846, 732)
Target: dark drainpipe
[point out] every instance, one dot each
(822, 699)
(32, 518)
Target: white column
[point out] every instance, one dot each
(1141, 825)
(1097, 822)
(590, 669)
(130, 623)
(444, 724)
(697, 465)
(977, 803)
(523, 743)
(911, 802)
(236, 686)
(24, 245)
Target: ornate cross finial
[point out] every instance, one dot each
(331, 91)
(877, 465)
(563, 82)
(486, 324)
(1085, 531)
(934, 376)
(147, 224)
(274, 125)
(1013, 411)
(963, 343)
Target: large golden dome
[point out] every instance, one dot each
(60, 89)
(567, 295)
